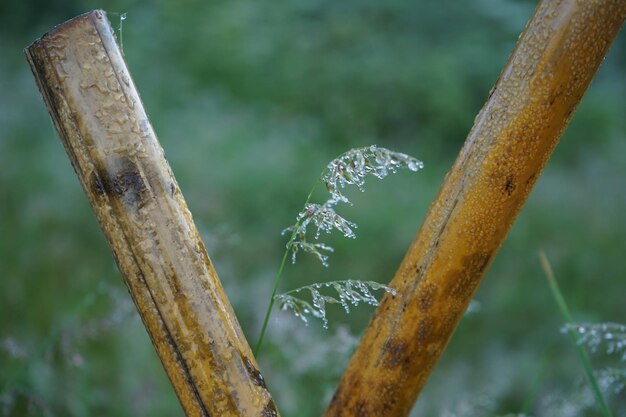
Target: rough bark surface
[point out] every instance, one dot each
(513, 137)
(130, 186)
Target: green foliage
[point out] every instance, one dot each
(249, 99)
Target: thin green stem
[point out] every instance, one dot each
(582, 354)
(279, 275)
(259, 342)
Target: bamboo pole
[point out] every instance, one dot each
(513, 137)
(132, 190)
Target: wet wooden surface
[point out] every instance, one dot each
(512, 139)
(132, 190)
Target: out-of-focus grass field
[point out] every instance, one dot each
(250, 100)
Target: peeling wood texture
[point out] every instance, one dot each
(120, 164)
(512, 139)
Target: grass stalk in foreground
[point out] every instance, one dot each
(582, 354)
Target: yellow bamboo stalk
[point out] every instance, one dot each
(132, 190)
(513, 137)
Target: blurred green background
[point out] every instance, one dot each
(250, 100)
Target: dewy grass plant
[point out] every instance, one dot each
(349, 169)
(596, 335)
(574, 335)
(610, 337)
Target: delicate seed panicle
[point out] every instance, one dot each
(349, 292)
(350, 168)
(314, 248)
(610, 337)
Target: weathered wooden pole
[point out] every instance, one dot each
(513, 137)
(120, 164)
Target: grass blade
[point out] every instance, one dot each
(582, 354)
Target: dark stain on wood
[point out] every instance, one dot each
(125, 183)
(253, 372)
(96, 184)
(463, 282)
(484, 261)
(129, 184)
(424, 330)
(509, 186)
(394, 353)
(426, 295)
(269, 410)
